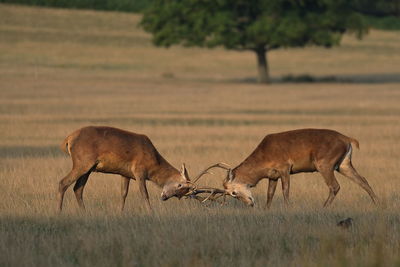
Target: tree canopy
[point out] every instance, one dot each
(255, 25)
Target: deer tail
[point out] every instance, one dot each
(66, 146)
(354, 142)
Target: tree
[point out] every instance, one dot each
(256, 25)
(378, 8)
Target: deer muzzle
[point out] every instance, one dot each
(164, 197)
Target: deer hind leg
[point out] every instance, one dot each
(72, 176)
(271, 191)
(332, 183)
(346, 168)
(124, 190)
(78, 189)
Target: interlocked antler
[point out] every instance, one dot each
(214, 193)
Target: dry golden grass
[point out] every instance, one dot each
(61, 70)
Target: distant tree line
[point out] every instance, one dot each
(376, 8)
(109, 5)
(380, 14)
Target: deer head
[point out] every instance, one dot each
(237, 189)
(177, 187)
(185, 187)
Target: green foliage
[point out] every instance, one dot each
(378, 8)
(251, 25)
(112, 5)
(384, 23)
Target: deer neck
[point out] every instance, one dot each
(247, 174)
(164, 173)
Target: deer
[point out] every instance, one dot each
(116, 151)
(304, 150)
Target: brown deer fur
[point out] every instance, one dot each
(304, 150)
(112, 150)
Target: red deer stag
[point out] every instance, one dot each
(131, 155)
(304, 150)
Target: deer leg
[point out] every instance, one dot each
(124, 190)
(332, 183)
(143, 191)
(141, 178)
(271, 191)
(285, 179)
(347, 169)
(78, 189)
(64, 183)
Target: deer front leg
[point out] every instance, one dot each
(141, 179)
(124, 190)
(144, 193)
(285, 178)
(141, 176)
(271, 191)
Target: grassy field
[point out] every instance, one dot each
(61, 70)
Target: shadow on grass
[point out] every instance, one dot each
(307, 78)
(196, 238)
(29, 151)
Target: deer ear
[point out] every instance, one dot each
(184, 172)
(230, 175)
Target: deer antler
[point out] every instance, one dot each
(214, 193)
(218, 165)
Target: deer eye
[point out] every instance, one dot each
(234, 193)
(179, 185)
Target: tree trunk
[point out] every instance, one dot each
(263, 73)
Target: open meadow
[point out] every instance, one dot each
(64, 69)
